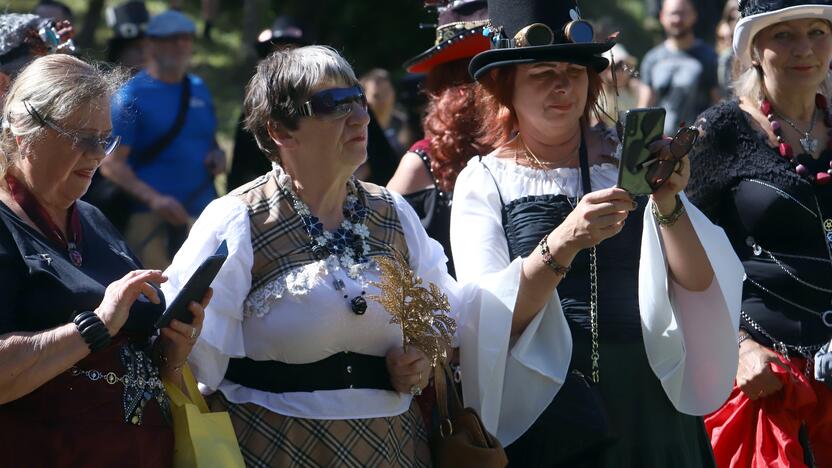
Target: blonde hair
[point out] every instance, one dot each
(55, 86)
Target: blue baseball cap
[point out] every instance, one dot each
(170, 23)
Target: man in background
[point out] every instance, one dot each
(169, 156)
(680, 74)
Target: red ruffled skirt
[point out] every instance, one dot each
(764, 433)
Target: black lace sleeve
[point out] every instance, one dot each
(714, 158)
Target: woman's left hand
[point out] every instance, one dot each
(408, 370)
(178, 338)
(665, 196)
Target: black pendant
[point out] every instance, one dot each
(359, 305)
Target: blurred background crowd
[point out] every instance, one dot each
(673, 53)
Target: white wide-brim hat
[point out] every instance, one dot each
(748, 27)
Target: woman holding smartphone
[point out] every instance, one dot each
(80, 359)
(634, 297)
(762, 172)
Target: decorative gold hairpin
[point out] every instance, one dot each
(421, 312)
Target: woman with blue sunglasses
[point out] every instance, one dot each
(80, 368)
(309, 366)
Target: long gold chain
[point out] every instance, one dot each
(595, 353)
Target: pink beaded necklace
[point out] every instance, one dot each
(819, 170)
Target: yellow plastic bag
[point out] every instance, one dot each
(202, 439)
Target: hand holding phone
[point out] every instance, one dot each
(641, 128)
(194, 289)
(642, 171)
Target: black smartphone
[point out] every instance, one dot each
(194, 289)
(641, 127)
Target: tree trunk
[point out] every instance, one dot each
(86, 38)
(252, 10)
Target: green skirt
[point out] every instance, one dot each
(647, 429)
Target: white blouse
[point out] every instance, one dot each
(690, 337)
(301, 318)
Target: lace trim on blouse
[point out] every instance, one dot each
(299, 281)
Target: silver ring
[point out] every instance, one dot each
(415, 390)
(193, 333)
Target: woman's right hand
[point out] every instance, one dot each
(121, 294)
(754, 375)
(598, 216)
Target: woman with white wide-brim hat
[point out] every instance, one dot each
(762, 171)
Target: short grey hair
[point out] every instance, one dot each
(55, 86)
(283, 82)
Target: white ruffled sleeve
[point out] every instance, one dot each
(510, 385)
(691, 337)
(222, 334)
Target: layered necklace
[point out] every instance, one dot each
(345, 247)
(818, 170)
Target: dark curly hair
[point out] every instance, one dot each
(453, 121)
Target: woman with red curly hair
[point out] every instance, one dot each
(630, 304)
(427, 172)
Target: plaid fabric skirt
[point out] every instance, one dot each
(269, 439)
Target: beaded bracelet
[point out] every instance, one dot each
(674, 216)
(92, 330)
(549, 260)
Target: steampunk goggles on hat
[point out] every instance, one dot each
(576, 31)
(333, 103)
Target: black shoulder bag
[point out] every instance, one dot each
(111, 199)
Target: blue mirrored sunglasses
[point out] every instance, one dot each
(82, 142)
(333, 103)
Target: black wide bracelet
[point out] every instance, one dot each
(92, 329)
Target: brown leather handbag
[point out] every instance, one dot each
(461, 440)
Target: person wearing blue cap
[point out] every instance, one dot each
(169, 155)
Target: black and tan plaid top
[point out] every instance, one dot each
(280, 242)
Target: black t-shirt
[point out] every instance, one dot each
(682, 81)
(742, 184)
(42, 289)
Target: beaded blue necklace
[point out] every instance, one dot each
(347, 245)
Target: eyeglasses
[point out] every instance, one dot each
(80, 141)
(661, 169)
(333, 103)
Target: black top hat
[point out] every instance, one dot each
(528, 31)
(128, 20)
(458, 35)
(284, 30)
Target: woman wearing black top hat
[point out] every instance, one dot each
(629, 303)
(428, 171)
(762, 172)
(128, 21)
